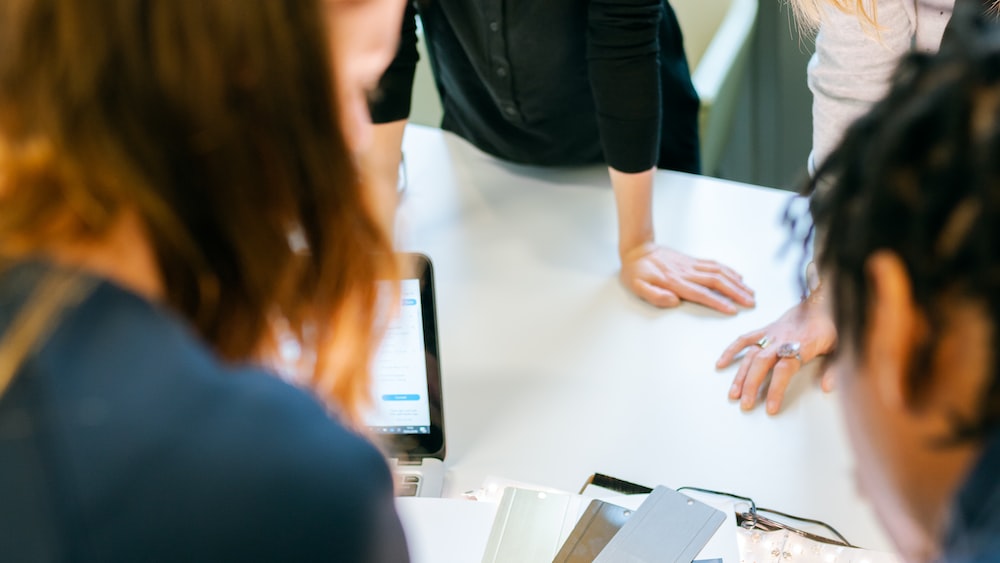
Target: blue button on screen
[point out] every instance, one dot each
(409, 302)
(400, 397)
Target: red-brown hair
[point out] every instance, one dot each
(214, 121)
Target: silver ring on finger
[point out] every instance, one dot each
(763, 342)
(790, 350)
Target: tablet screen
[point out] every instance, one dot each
(407, 407)
(399, 371)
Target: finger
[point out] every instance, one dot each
(655, 295)
(697, 294)
(728, 274)
(732, 274)
(737, 280)
(761, 366)
(781, 375)
(828, 381)
(723, 285)
(736, 390)
(730, 353)
(742, 285)
(710, 266)
(713, 267)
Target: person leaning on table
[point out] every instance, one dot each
(857, 48)
(568, 83)
(156, 155)
(908, 208)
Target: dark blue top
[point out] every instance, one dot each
(123, 438)
(975, 527)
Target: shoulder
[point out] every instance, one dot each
(974, 530)
(190, 458)
(263, 474)
(315, 486)
(313, 482)
(289, 421)
(932, 17)
(896, 23)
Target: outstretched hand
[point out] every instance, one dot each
(808, 324)
(665, 277)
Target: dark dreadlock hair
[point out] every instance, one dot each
(919, 176)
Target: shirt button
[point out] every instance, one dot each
(510, 110)
(494, 26)
(501, 72)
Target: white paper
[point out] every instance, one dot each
(440, 530)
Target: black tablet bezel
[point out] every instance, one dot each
(418, 446)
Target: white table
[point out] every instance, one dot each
(553, 371)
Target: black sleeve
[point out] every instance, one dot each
(622, 55)
(392, 99)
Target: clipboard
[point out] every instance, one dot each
(595, 529)
(669, 527)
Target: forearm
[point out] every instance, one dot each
(634, 203)
(379, 165)
(623, 53)
(387, 148)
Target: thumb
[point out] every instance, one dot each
(828, 380)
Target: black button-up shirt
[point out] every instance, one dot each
(555, 82)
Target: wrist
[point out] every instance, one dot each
(634, 203)
(631, 252)
(815, 293)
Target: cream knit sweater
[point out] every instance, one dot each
(852, 66)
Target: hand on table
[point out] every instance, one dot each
(809, 324)
(665, 277)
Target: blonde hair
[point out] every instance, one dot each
(809, 13)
